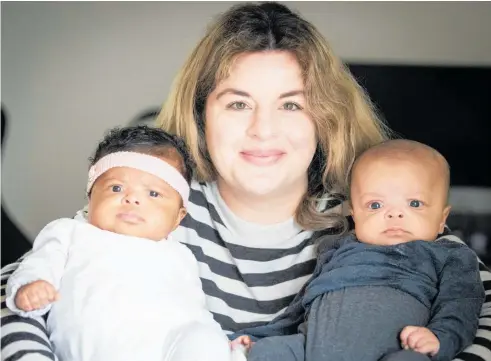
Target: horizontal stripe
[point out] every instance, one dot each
(483, 334)
(485, 276)
(23, 336)
(476, 352)
(197, 199)
(20, 354)
(203, 231)
(280, 265)
(209, 239)
(268, 254)
(467, 356)
(206, 250)
(254, 306)
(239, 288)
(22, 345)
(22, 322)
(482, 342)
(239, 314)
(264, 279)
(230, 326)
(483, 321)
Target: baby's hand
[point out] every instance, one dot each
(241, 340)
(35, 295)
(419, 339)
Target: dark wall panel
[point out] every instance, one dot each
(448, 108)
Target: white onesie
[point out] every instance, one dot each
(121, 297)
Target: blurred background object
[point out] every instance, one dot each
(14, 242)
(72, 70)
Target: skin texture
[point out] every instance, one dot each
(124, 201)
(260, 137)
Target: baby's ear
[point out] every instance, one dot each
(445, 214)
(182, 213)
(180, 216)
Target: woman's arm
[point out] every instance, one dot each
(480, 350)
(22, 337)
(457, 306)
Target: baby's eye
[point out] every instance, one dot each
(154, 194)
(291, 106)
(415, 203)
(116, 189)
(375, 205)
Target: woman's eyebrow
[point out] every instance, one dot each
(292, 93)
(233, 91)
(245, 94)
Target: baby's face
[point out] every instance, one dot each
(135, 203)
(398, 200)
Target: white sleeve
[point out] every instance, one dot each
(45, 262)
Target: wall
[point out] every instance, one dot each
(71, 70)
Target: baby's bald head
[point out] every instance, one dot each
(406, 150)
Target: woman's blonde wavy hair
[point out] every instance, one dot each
(345, 120)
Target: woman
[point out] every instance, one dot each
(274, 121)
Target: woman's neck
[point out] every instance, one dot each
(268, 209)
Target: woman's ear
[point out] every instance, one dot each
(445, 214)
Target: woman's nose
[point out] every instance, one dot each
(264, 125)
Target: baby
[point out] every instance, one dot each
(118, 287)
(392, 290)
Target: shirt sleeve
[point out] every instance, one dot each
(45, 262)
(456, 309)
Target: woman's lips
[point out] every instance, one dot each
(262, 157)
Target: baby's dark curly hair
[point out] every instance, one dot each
(146, 140)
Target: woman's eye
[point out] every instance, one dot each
(291, 106)
(237, 106)
(116, 189)
(154, 194)
(415, 203)
(375, 205)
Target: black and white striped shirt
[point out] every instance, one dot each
(250, 274)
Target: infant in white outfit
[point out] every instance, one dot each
(118, 287)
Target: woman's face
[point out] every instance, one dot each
(258, 132)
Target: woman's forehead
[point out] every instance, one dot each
(272, 69)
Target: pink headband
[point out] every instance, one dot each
(145, 163)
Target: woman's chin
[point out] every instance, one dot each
(261, 187)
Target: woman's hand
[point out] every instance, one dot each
(419, 339)
(35, 295)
